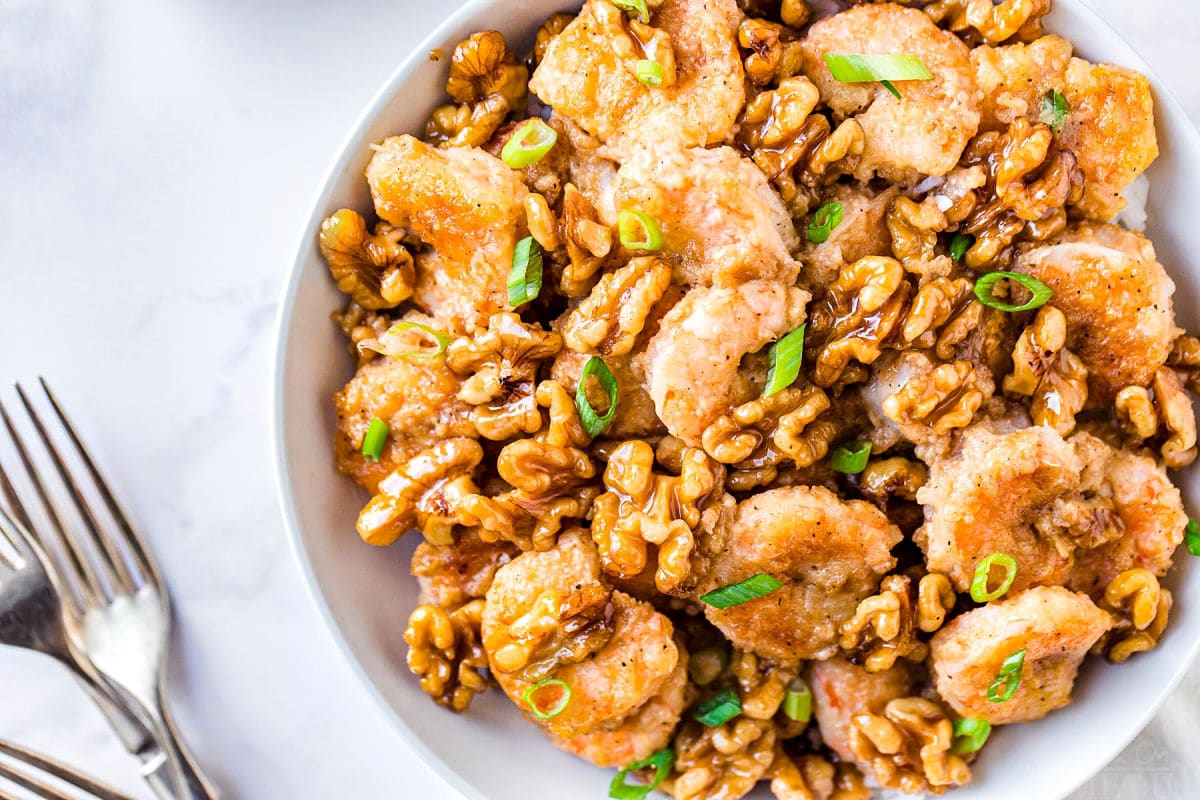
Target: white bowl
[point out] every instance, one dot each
(365, 593)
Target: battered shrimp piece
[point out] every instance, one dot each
(415, 397)
(455, 574)
(645, 731)
(610, 683)
(1055, 626)
(586, 76)
(691, 364)
(721, 222)
(989, 495)
(589, 164)
(1151, 511)
(926, 131)
(842, 690)
(635, 415)
(863, 232)
(1117, 300)
(464, 203)
(1014, 78)
(828, 552)
(1110, 128)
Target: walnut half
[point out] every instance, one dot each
(445, 652)
(376, 270)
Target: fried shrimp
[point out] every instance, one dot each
(842, 690)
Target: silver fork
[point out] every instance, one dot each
(37, 765)
(117, 609)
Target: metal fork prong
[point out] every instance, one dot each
(109, 555)
(38, 788)
(61, 771)
(86, 582)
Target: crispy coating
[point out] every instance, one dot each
(842, 689)
(467, 206)
(863, 232)
(691, 364)
(1055, 626)
(1117, 302)
(452, 575)
(635, 408)
(1014, 78)
(925, 132)
(829, 553)
(583, 75)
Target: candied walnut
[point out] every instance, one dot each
(1164, 405)
(360, 325)
(423, 492)
(762, 683)
(1044, 369)
(991, 22)
(588, 242)
(935, 597)
(642, 507)
(861, 309)
(883, 626)
(543, 227)
(502, 363)
(885, 478)
(725, 761)
(546, 34)
(1185, 358)
(914, 228)
(795, 13)
(943, 314)
(375, 269)
(455, 574)
(771, 54)
(466, 125)
(482, 65)
(767, 430)
(1141, 607)
(944, 399)
(811, 777)
(609, 319)
(908, 746)
(445, 652)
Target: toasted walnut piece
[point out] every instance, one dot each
(839, 149)
(376, 270)
(1044, 369)
(908, 746)
(445, 652)
(882, 628)
(1185, 358)
(588, 242)
(609, 319)
(991, 22)
(725, 761)
(542, 224)
(935, 597)
(1135, 410)
(914, 228)
(466, 125)
(359, 325)
(482, 65)
(547, 32)
(762, 683)
(811, 777)
(1141, 607)
(644, 507)
(770, 52)
(942, 315)
(768, 429)
(884, 478)
(943, 400)
(862, 308)
(502, 363)
(424, 492)
(1166, 404)
(795, 13)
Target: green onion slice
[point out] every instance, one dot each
(638, 231)
(649, 72)
(634, 8)
(960, 244)
(865, 68)
(529, 144)
(784, 359)
(538, 711)
(375, 438)
(592, 422)
(892, 89)
(1007, 679)
(662, 761)
(525, 280)
(970, 733)
(718, 709)
(394, 343)
(851, 458)
(1041, 293)
(797, 703)
(1191, 537)
(828, 217)
(1054, 110)
(735, 594)
(983, 573)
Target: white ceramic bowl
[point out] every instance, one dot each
(366, 593)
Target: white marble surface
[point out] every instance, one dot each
(155, 160)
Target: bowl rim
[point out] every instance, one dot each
(1164, 97)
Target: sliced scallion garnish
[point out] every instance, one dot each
(1054, 109)
(960, 244)
(866, 68)
(828, 217)
(718, 709)
(784, 360)
(638, 231)
(375, 438)
(592, 422)
(1191, 537)
(636, 9)
(1040, 293)
(1007, 679)
(891, 87)
(525, 280)
(970, 733)
(662, 761)
(554, 711)
(980, 592)
(529, 144)
(649, 72)
(735, 594)
(797, 703)
(394, 343)
(850, 457)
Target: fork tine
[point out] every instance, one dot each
(142, 557)
(14, 503)
(110, 555)
(86, 581)
(61, 771)
(39, 789)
